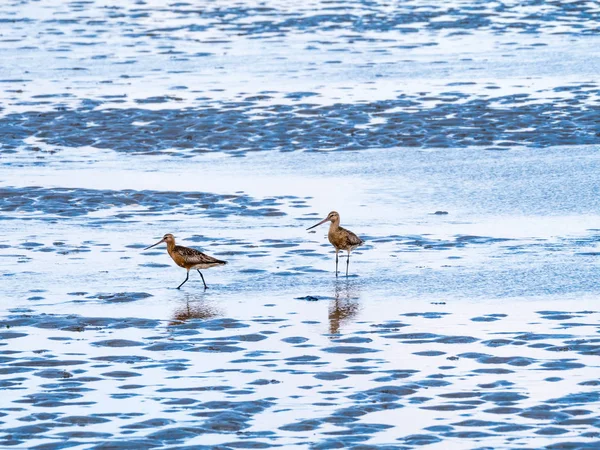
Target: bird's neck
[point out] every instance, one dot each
(170, 246)
(335, 224)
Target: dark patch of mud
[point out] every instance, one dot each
(65, 203)
(191, 131)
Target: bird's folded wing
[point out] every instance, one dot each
(193, 256)
(352, 239)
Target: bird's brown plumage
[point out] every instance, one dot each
(343, 239)
(188, 258)
(340, 238)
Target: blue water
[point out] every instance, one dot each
(459, 140)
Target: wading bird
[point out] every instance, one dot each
(188, 258)
(340, 238)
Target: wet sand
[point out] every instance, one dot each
(476, 327)
(460, 142)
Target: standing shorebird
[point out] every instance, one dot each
(188, 258)
(340, 238)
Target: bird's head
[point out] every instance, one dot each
(168, 238)
(333, 216)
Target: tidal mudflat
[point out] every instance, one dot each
(460, 141)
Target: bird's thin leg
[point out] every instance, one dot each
(336, 263)
(186, 278)
(347, 263)
(205, 286)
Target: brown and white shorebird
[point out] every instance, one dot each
(188, 258)
(340, 238)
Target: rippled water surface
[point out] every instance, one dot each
(458, 139)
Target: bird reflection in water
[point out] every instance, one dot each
(345, 305)
(194, 308)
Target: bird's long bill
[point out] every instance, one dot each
(322, 221)
(154, 245)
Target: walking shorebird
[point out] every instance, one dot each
(188, 258)
(340, 238)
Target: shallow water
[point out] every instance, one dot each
(459, 141)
